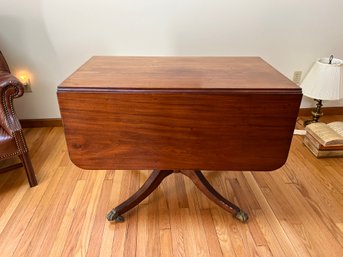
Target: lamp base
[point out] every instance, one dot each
(316, 114)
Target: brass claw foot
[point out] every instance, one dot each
(114, 216)
(242, 216)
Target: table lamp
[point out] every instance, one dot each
(324, 81)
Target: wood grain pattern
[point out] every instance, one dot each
(178, 131)
(116, 118)
(296, 211)
(57, 122)
(108, 72)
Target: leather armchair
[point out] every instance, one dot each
(12, 141)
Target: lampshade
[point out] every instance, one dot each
(324, 81)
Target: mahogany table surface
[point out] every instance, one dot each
(178, 113)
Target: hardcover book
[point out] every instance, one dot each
(322, 153)
(325, 140)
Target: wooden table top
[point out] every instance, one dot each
(168, 73)
(178, 113)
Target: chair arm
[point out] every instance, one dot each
(10, 87)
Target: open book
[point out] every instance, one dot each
(327, 134)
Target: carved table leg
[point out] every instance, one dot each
(202, 183)
(148, 187)
(156, 178)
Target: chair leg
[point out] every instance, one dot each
(25, 158)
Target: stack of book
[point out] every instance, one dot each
(325, 140)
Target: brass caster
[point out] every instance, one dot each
(114, 216)
(120, 218)
(242, 216)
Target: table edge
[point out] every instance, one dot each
(178, 90)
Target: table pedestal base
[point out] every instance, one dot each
(156, 178)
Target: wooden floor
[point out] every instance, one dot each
(294, 211)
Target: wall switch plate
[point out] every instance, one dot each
(297, 77)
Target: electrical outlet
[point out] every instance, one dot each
(297, 77)
(27, 88)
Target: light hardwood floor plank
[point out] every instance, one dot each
(108, 234)
(79, 235)
(100, 221)
(68, 217)
(223, 232)
(14, 230)
(130, 243)
(178, 241)
(210, 230)
(166, 248)
(277, 238)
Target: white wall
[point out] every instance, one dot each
(53, 38)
